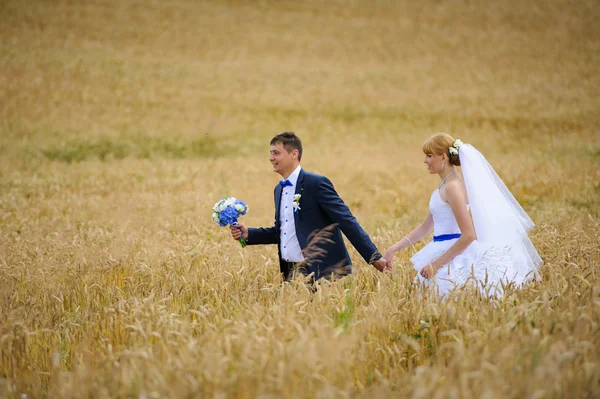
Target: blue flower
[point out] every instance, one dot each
(227, 211)
(228, 216)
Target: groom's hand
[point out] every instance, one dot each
(239, 230)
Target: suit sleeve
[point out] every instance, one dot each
(339, 213)
(262, 235)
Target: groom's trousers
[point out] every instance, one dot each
(289, 268)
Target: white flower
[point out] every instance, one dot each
(296, 203)
(230, 201)
(457, 144)
(215, 217)
(453, 150)
(222, 206)
(239, 207)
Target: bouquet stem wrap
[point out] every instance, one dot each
(241, 240)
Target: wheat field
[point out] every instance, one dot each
(123, 122)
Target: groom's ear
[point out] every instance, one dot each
(295, 153)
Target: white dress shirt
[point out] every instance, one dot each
(290, 247)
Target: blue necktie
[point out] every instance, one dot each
(285, 183)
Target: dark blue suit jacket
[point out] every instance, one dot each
(320, 208)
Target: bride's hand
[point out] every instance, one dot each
(389, 256)
(428, 271)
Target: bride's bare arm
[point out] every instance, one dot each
(456, 198)
(416, 235)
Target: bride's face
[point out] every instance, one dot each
(434, 163)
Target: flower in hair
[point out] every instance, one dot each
(454, 149)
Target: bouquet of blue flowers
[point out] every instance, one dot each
(227, 211)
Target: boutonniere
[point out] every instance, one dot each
(296, 203)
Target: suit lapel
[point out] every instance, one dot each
(299, 190)
(278, 191)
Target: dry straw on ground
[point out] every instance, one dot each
(121, 123)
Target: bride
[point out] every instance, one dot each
(487, 246)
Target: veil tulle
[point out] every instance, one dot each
(497, 216)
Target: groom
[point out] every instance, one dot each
(307, 203)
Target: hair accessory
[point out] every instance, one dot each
(454, 149)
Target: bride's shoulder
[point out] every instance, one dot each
(455, 187)
(454, 184)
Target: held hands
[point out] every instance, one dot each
(383, 265)
(239, 230)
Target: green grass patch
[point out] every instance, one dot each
(344, 318)
(108, 148)
(588, 199)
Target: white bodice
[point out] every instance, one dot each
(444, 221)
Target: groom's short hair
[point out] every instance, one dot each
(290, 142)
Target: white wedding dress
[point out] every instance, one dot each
(502, 253)
(473, 264)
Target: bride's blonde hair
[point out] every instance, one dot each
(439, 144)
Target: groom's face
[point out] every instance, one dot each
(283, 162)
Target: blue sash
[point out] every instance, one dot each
(445, 237)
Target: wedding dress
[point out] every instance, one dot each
(502, 252)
